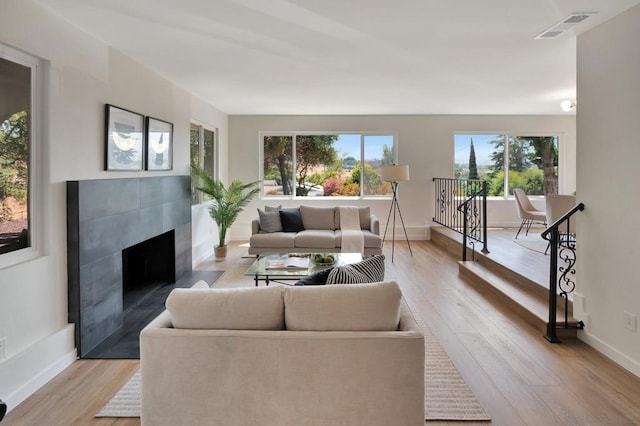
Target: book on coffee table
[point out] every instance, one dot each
(289, 263)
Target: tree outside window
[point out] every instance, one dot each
(278, 165)
(15, 92)
(527, 162)
(202, 147)
(317, 158)
(326, 164)
(194, 146)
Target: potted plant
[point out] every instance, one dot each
(227, 203)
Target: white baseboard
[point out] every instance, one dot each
(200, 253)
(610, 352)
(413, 233)
(26, 372)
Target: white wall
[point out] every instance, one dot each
(608, 130)
(83, 75)
(425, 143)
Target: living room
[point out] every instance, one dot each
(80, 74)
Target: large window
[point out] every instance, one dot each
(17, 96)
(508, 161)
(326, 165)
(202, 155)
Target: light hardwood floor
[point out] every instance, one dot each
(517, 376)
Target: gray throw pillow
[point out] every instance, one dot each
(270, 221)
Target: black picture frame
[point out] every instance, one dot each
(124, 139)
(159, 144)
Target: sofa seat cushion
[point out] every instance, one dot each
(364, 307)
(365, 217)
(252, 308)
(318, 217)
(315, 238)
(370, 239)
(274, 239)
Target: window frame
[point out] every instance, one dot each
(506, 135)
(200, 197)
(35, 187)
(293, 134)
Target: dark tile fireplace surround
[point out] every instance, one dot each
(107, 217)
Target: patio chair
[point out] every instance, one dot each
(527, 212)
(556, 207)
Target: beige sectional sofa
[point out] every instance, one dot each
(326, 355)
(321, 233)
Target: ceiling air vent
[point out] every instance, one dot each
(564, 25)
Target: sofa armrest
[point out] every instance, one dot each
(161, 321)
(375, 224)
(255, 226)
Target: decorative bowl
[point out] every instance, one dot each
(326, 260)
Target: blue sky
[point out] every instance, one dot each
(481, 144)
(349, 145)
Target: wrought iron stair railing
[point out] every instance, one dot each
(461, 205)
(562, 245)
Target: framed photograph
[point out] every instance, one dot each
(124, 140)
(159, 144)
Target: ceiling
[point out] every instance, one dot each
(352, 56)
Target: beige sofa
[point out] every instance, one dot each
(327, 355)
(321, 233)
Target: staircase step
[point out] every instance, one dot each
(528, 304)
(513, 277)
(527, 298)
(447, 239)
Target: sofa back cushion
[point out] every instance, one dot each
(365, 217)
(251, 308)
(318, 217)
(362, 307)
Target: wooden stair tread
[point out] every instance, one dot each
(524, 283)
(527, 301)
(539, 281)
(498, 275)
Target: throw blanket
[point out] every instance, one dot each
(352, 236)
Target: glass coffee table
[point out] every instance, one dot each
(261, 269)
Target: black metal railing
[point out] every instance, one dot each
(461, 205)
(562, 245)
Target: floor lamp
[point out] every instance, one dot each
(395, 174)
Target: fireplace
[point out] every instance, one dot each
(107, 217)
(146, 267)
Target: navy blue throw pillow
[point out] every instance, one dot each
(291, 220)
(317, 278)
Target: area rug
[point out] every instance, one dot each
(447, 395)
(126, 402)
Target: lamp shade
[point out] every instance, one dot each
(395, 173)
